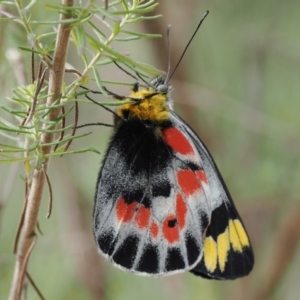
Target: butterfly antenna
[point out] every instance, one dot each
(142, 79)
(129, 74)
(126, 72)
(180, 59)
(169, 54)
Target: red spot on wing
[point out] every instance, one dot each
(201, 175)
(142, 217)
(124, 210)
(177, 141)
(181, 211)
(154, 230)
(171, 234)
(188, 182)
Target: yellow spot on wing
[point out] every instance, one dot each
(238, 236)
(210, 254)
(223, 249)
(242, 233)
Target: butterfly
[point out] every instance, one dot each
(161, 205)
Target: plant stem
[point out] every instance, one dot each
(56, 75)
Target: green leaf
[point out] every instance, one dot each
(79, 33)
(116, 29)
(98, 81)
(146, 35)
(30, 4)
(66, 21)
(139, 19)
(16, 159)
(58, 152)
(138, 10)
(105, 13)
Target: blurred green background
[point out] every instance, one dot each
(238, 87)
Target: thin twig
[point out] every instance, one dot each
(50, 194)
(64, 119)
(74, 127)
(32, 68)
(76, 116)
(73, 71)
(35, 286)
(63, 125)
(40, 70)
(25, 119)
(38, 227)
(21, 221)
(41, 78)
(95, 124)
(24, 265)
(31, 109)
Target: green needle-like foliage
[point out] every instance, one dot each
(93, 47)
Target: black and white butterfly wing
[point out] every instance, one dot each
(146, 217)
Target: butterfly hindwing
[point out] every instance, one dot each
(227, 252)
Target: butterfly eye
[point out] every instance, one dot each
(136, 87)
(163, 88)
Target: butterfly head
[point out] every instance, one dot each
(149, 103)
(159, 85)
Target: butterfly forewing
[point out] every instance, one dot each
(150, 209)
